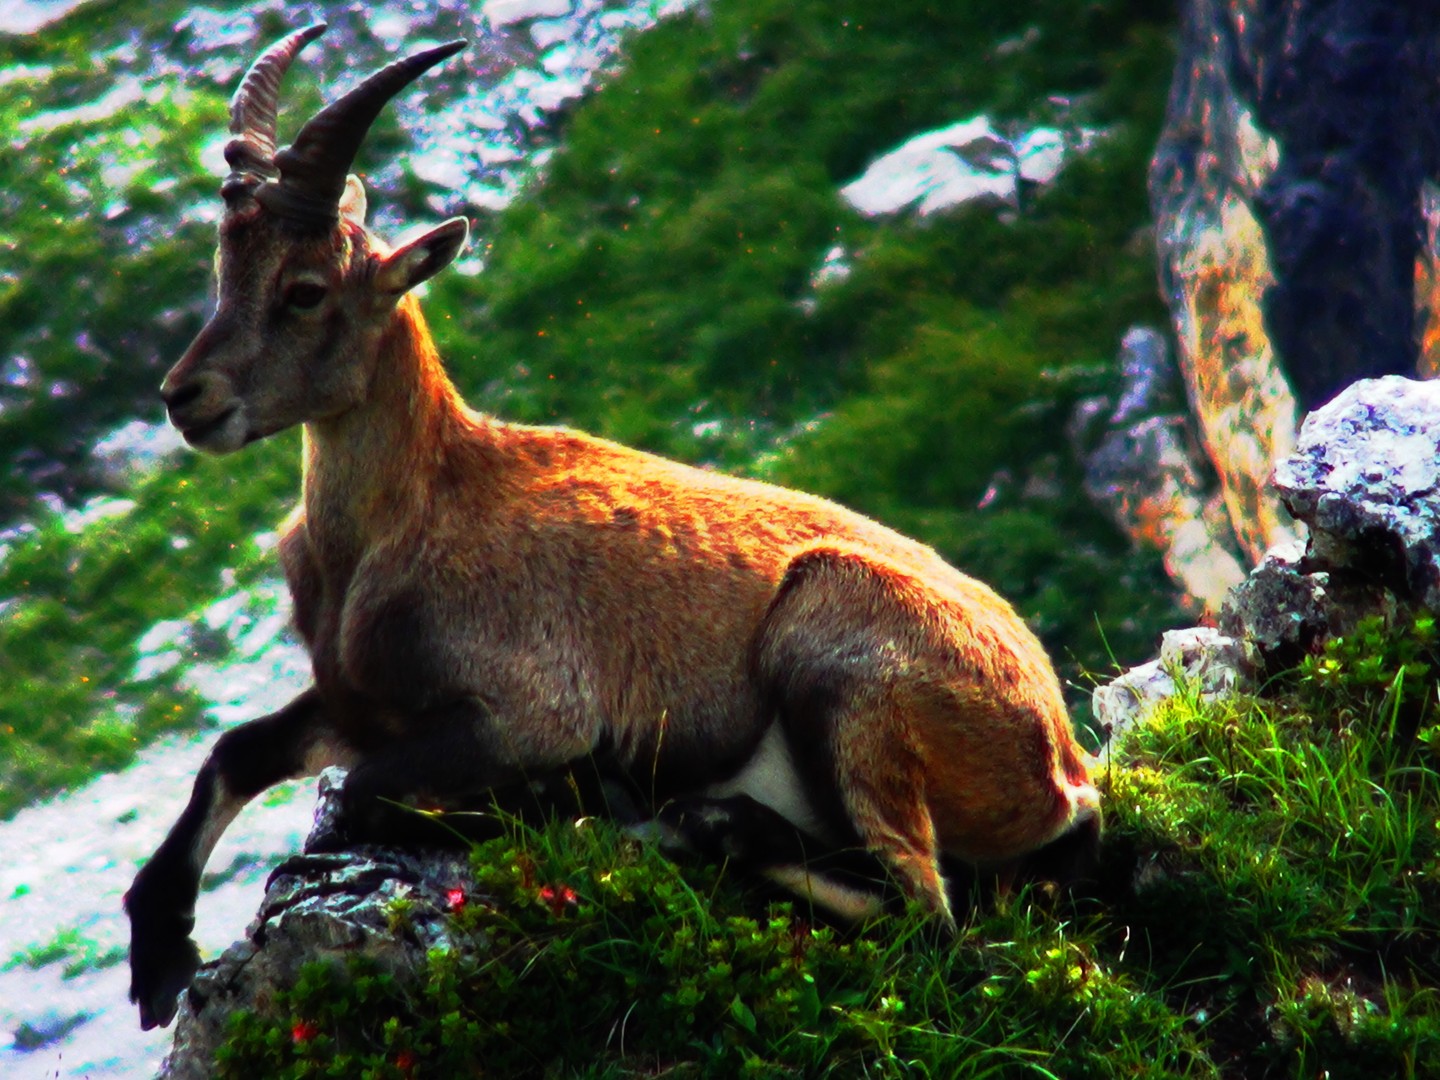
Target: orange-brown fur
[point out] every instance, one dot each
(581, 590)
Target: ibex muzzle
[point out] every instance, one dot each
(486, 603)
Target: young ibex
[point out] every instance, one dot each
(484, 602)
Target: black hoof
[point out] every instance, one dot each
(159, 970)
(163, 959)
(709, 828)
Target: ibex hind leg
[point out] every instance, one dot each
(882, 785)
(828, 655)
(843, 884)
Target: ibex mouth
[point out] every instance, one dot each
(226, 432)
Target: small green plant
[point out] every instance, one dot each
(398, 911)
(71, 948)
(1384, 672)
(595, 956)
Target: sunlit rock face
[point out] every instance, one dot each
(1295, 247)
(1427, 284)
(1148, 475)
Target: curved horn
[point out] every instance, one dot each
(313, 168)
(252, 109)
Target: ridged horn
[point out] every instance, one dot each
(313, 168)
(253, 108)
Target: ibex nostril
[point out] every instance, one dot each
(181, 396)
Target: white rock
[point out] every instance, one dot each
(957, 164)
(1201, 659)
(505, 12)
(937, 170)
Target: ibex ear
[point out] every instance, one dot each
(352, 200)
(422, 258)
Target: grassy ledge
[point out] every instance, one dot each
(1269, 905)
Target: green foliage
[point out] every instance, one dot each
(101, 280)
(1389, 673)
(1287, 857)
(596, 957)
(84, 596)
(71, 948)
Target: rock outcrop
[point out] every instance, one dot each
(389, 905)
(1296, 221)
(1365, 479)
(1147, 473)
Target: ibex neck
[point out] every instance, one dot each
(369, 471)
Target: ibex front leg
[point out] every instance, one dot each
(296, 741)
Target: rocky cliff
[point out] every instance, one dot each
(1296, 221)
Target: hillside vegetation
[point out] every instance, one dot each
(653, 283)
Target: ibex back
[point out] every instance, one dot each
(484, 601)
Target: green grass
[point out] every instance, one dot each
(654, 970)
(71, 948)
(71, 705)
(1268, 905)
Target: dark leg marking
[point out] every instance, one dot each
(161, 902)
(1070, 860)
(447, 761)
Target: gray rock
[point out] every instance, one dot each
(1146, 472)
(1365, 476)
(1198, 660)
(393, 907)
(1279, 607)
(1287, 606)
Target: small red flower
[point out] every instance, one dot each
(454, 900)
(559, 899)
(405, 1061)
(303, 1031)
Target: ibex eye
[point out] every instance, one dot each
(304, 295)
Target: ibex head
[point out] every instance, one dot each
(305, 290)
